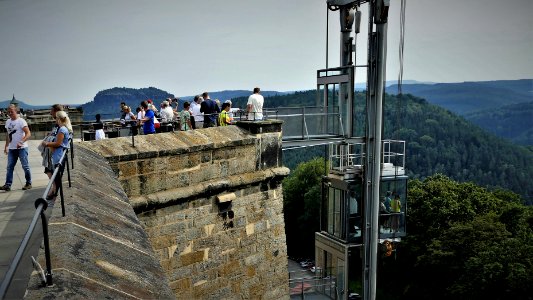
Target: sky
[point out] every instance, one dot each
(66, 51)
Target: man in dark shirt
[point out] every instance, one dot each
(210, 110)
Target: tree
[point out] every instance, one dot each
(301, 197)
(465, 242)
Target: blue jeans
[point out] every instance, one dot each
(12, 157)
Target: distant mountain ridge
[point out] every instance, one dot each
(468, 97)
(5, 103)
(501, 107)
(230, 94)
(107, 102)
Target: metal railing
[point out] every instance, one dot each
(308, 122)
(302, 284)
(346, 156)
(299, 123)
(40, 206)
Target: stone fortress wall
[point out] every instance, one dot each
(209, 202)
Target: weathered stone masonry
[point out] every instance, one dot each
(211, 204)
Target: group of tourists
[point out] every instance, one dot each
(390, 205)
(52, 147)
(202, 112)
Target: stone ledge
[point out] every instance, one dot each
(165, 198)
(169, 143)
(257, 127)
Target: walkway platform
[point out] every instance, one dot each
(16, 211)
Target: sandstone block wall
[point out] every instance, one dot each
(211, 203)
(99, 250)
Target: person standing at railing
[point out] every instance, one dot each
(140, 115)
(185, 117)
(196, 114)
(46, 152)
(224, 118)
(130, 119)
(210, 110)
(254, 107)
(148, 120)
(396, 208)
(58, 146)
(98, 126)
(16, 147)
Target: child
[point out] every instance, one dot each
(224, 118)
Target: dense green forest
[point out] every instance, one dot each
(438, 141)
(514, 122)
(463, 241)
(502, 107)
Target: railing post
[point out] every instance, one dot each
(303, 123)
(59, 186)
(49, 280)
(132, 136)
(68, 170)
(72, 153)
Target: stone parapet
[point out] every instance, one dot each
(209, 217)
(99, 250)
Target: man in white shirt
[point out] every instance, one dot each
(254, 107)
(195, 110)
(16, 147)
(167, 114)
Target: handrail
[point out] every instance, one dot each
(40, 205)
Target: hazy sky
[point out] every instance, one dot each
(66, 51)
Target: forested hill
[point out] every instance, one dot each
(438, 141)
(304, 98)
(442, 142)
(107, 102)
(502, 107)
(514, 122)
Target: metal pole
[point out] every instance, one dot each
(377, 59)
(133, 137)
(327, 36)
(59, 186)
(72, 152)
(49, 281)
(68, 171)
(303, 123)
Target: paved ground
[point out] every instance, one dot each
(16, 212)
(313, 287)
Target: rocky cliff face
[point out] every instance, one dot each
(107, 102)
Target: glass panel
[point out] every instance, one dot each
(333, 109)
(340, 279)
(392, 206)
(354, 214)
(337, 214)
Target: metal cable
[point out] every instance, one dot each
(401, 45)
